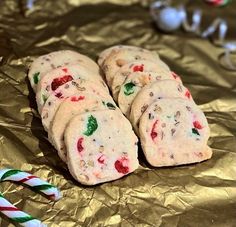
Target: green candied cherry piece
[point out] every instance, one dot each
(195, 131)
(109, 105)
(129, 88)
(44, 97)
(36, 77)
(92, 126)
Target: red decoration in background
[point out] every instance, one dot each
(217, 2)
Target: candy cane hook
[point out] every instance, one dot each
(34, 182)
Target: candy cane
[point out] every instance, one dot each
(13, 212)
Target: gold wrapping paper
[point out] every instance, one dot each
(199, 195)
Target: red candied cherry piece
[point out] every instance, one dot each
(80, 147)
(199, 154)
(153, 133)
(138, 68)
(65, 70)
(59, 95)
(57, 82)
(188, 94)
(197, 125)
(101, 159)
(121, 165)
(76, 99)
(175, 75)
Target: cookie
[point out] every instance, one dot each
(152, 92)
(101, 147)
(77, 104)
(139, 66)
(105, 53)
(174, 132)
(74, 87)
(57, 77)
(119, 58)
(53, 60)
(133, 84)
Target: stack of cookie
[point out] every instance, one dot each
(83, 123)
(172, 128)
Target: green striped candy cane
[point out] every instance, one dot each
(34, 182)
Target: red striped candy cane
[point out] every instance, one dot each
(34, 182)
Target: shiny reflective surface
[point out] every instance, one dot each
(195, 195)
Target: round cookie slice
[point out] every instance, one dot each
(57, 77)
(133, 84)
(53, 60)
(152, 92)
(74, 87)
(105, 53)
(174, 132)
(139, 66)
(77, 104)
(96, 151)
(119, 58)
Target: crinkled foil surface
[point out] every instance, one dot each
(195, 195)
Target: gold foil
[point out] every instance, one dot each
(194, 195)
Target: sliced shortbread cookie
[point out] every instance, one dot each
(53, 60)
(152, 92)
(133, 84)
(139, 66)
(77, 104)
(96, 151)
(74, 87)
(105, 53)
(174, 132)
(57, 77)
(119, 58)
